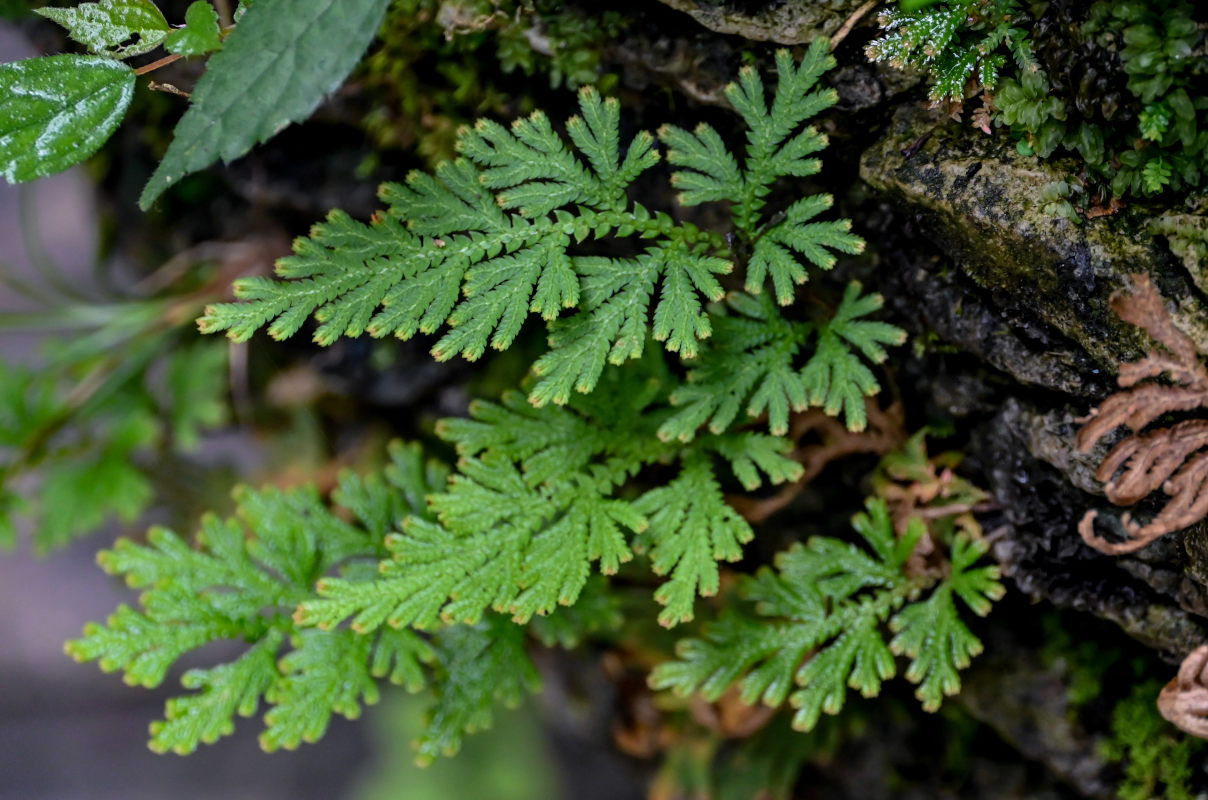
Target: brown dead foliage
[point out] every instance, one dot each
(1170, 458)
(1184, 701)
(820, 439)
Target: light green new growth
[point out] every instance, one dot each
(817, 627)
(242, 581)
(955, 42)
(492, 237)
(537, 499)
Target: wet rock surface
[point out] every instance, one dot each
(980, 201)
(1027, 292)
(984, 269)
(787, 22)
(1033, 472)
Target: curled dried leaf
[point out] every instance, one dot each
(1171, 458)
(1184, 701)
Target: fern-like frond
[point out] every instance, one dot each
(817, 626)
(773, 254)
(478, 667)
(538, 500)
(835, 377)
(776, 146)
(931, 633)
(488, 240)
(748, 369)
(240, 580)
(493, 238)
(752, 367)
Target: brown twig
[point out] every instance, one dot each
(225, 17)
(154, 65)
(850, 23)
(156, 86)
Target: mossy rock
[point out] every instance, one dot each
(788, 22)
(983, 204)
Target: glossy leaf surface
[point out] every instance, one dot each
(57, 111)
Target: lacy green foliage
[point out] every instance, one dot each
(752, 364)
(274, 68)
(956, 43)
(242, 578)
(544, 493)
(87, 425)
(491, 238)
(818, 626)
(540, 495)
(1158, 760)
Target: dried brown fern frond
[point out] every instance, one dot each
(1184, 701)
(1173, 458)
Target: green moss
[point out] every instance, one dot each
(440, 64)
(1186, 230)
(1120, 84)
(1158, 760)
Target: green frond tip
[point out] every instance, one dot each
(691, 529)
(777, 144)
(816, 625)
(753, 367)
(238, 580)
(835, 377)
(542, 498)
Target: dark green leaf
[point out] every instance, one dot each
(56, 111)
(104, 27)
(275, 68)
(200, 35)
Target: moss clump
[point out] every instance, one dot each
(1158, 760)
(441, 63)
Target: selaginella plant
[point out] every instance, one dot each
(817, 627)
(961, 43)
(434, 577)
